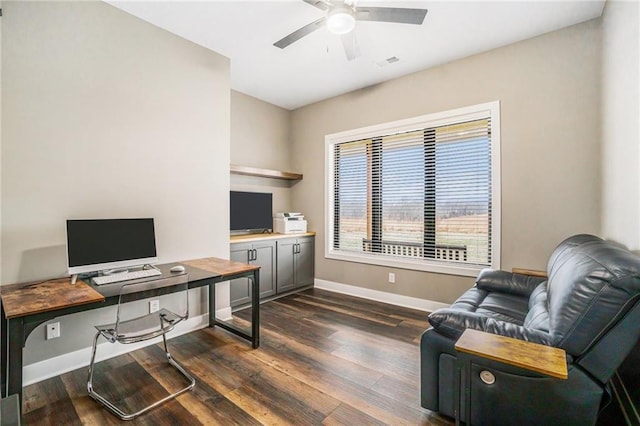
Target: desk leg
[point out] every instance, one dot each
(5, 347)
(14, 366)
(212, 305)
(254, 336)
(255, 309)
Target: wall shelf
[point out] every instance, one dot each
(266, 173)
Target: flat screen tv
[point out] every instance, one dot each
(251, 211)
(100, 244)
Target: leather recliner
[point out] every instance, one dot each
(588, 306)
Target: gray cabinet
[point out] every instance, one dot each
(295, 264)
(261, 253)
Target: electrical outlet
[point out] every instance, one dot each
(392, 277)
(53, 330)
(154, 306)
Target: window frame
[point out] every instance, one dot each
(485, 110)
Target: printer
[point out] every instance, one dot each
(289, 223)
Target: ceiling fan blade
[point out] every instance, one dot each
(391, 14)
(298, 34)
(320, 4)
(350, 45)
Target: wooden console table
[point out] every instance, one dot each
(542, 359)
(26, 306)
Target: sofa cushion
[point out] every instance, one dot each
(568, 245)
(506, 282)
(452, 323)
(592, 283)
(538, 316)
(538, 295)
(475, 307)
(500, 306)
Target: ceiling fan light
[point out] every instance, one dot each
(341, 20)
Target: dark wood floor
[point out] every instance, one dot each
(324, 358)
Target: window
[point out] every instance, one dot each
(421, 193)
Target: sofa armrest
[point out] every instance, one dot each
(507, 282)
(452, 323)
(543, 359)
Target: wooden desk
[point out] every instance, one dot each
(19, 300)
(25, 306)
(542, 359)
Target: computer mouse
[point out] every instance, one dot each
(177, 268)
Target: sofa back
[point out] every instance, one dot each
(592, 284)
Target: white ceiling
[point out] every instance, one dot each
(315, 67)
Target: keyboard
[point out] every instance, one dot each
(126, 276)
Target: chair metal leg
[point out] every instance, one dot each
(166, 350)
(129, 416)
(91, 364)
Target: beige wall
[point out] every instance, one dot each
(0, 145)
(550, 96)
(621, 122)
(260, 138)
(107, 116)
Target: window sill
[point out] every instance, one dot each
(403, 263)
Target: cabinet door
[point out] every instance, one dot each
(265, 258)
(286, 276)
(240, 288)
(304, 262)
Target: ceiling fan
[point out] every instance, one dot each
(341, 17)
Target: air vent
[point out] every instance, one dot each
(390, 60)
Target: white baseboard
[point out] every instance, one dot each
(381, 296)
(55, 366)
(224, 314)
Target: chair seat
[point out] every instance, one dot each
(141, 328)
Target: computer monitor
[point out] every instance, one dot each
(250, 211)
(100, 244)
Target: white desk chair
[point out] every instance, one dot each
(143, 328)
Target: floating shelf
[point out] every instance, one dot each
(266, 173)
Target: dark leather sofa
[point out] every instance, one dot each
(588, 306)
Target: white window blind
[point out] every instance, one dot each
(422, 195)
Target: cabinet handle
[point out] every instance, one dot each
(297, 249)
(255, 254)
